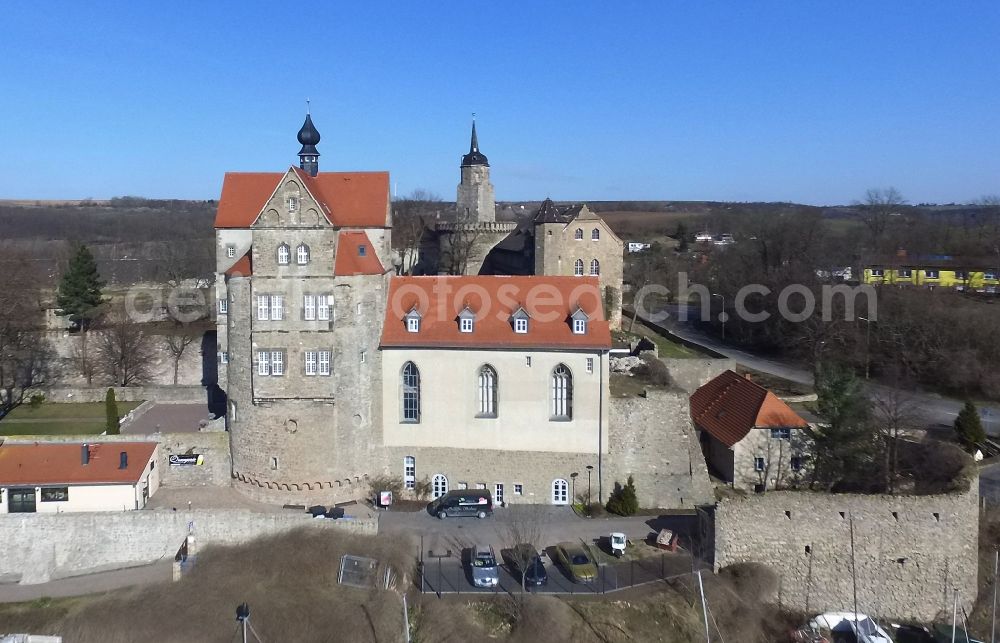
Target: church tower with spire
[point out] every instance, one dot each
(475, 200)
(309, 155)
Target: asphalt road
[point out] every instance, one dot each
(934, 410)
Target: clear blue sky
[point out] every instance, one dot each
(803, 101)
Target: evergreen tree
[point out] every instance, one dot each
(682, 237)
(623, 500)
(111, 412)
(846, 448)
(969, 427)
(79, 295)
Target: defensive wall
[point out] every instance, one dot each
(43, 547)
(910, 553)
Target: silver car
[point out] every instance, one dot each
(483, 563)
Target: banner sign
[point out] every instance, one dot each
(186, 459)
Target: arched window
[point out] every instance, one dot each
(578, 267)
(560, 493)
(562, 393)
(302, 254)
(595, 267)
(595, 234)
(283, 255)
(439, 485)
(578, 235)
(410, 389)
(487, 386)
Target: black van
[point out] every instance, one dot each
(463, 502)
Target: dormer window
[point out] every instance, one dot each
(293, 204)
(579, 321)
(466, 319)
(520, 319)
(284, 255)
(413, 321)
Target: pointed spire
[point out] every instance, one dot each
(474, 157)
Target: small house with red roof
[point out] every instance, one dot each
(751, 439)
(66, 477)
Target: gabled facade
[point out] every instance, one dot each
(301, 282)
(750, 438)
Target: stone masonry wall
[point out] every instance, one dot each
(910, 551)
(652, 439)
(184, 394)
(690, 374)
(42, 547)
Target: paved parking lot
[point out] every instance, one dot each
(169, 418)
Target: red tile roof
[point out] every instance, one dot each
(730, 405)
(549, 301)
(348, 199)
(61, 463)
(243, 266)
(356, 255)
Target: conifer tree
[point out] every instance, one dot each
(969, 427)
(79, 295)
(111, 412)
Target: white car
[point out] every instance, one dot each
(863, 627)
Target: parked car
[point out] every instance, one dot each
(526, 565)
(842, 627)
(483, 567)
(462, 502)
(577, 562)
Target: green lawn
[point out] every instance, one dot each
(59, 418)
(665, 347)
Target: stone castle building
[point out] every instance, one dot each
(336, 370)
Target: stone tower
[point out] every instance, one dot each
(476, 203)
(302, 284)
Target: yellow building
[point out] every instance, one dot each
(974, 274)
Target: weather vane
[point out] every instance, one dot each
(307, 106)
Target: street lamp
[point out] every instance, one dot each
(572, 477)
(722, 315)
(590, 468)
(868, 344)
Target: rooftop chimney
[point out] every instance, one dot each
(123, 460)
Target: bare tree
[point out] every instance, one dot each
(179, 336)
(125, 351)
(877, 209)
(893, 414)
(409, 224)
(521, 530)
(459, 248)
(26, 357)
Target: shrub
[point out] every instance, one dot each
(623, 500)
(111, 413)
(386, 483)
(36, 400)
(422, 488)
(653, 370)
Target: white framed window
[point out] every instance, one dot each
(518, 489)
(781, 434)
(230, 251)
(877, 272)
(498, 493)
(905, 273)
(293, 204)
(487, 388)
(527, 361)
(462, 485)
(560, 492)
(224, 357)
(324, 307)
(309, 307)
(595, 234)
(595, 267)
(562, 393)
(277, 307)
(413, 324)
(521, 325)
(310, 357)
(578, 268)
(578, 234)
(590, 364)
(579, 326)
(284, 255)
(324, 362)
(758, 463)
(409, 472)
(362, 357)
(263, 363)
(277, 363)
(410, 392)
(439, 485)
(933, 274)
(465, 324)
(223, 306)
(263, 307)
(302, 254)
